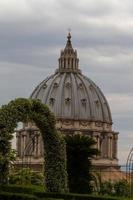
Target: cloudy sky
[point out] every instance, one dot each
(32, 32)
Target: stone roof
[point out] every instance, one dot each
(70, 94)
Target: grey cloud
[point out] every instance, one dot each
(123, 124)
(112, 83)
(18, 80)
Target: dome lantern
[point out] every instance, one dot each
(68, 61)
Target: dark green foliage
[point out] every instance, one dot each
(30, 189)
(26, 176)
(15, 196)
(107, 188)
(70, 196)
(50, 196)
(79, 153)
(39, 194)
(122, 188)
(33, 110)
(119, 188)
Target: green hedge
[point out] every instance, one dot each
(16, 196)
(24, 110)
(70, 196)
(39, 194)
(21, 189)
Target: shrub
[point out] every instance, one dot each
(26, 176)
(21, 189)
(70, 196)
(37, 192)
(121, 188)
(15, 196)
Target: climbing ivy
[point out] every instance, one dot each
(55, 160)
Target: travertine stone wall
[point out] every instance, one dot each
(106, 139)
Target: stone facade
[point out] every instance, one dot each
(30, 146)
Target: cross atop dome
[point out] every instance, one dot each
(68, 44)
(68, 61)
(69, 35)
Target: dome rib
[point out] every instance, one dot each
(88, 105)
(107, 106)
(38, 88)
(48, 95)
(61, 96)
(75, 96)
(66, 99)
(72, 97)
(101, 98)
(100, 101)
(58, 104)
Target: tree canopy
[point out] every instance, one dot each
(80, 151)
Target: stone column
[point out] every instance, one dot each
(39, 146)
(36, 152)
(96, 137)
(23, 143)
(103, 145)
(18, 143)
(110, 146)
(62, 63)
(64, 66)
(72, 63)
(115, 138)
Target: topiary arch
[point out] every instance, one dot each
(23, 110)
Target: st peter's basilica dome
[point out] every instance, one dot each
(71, 95)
